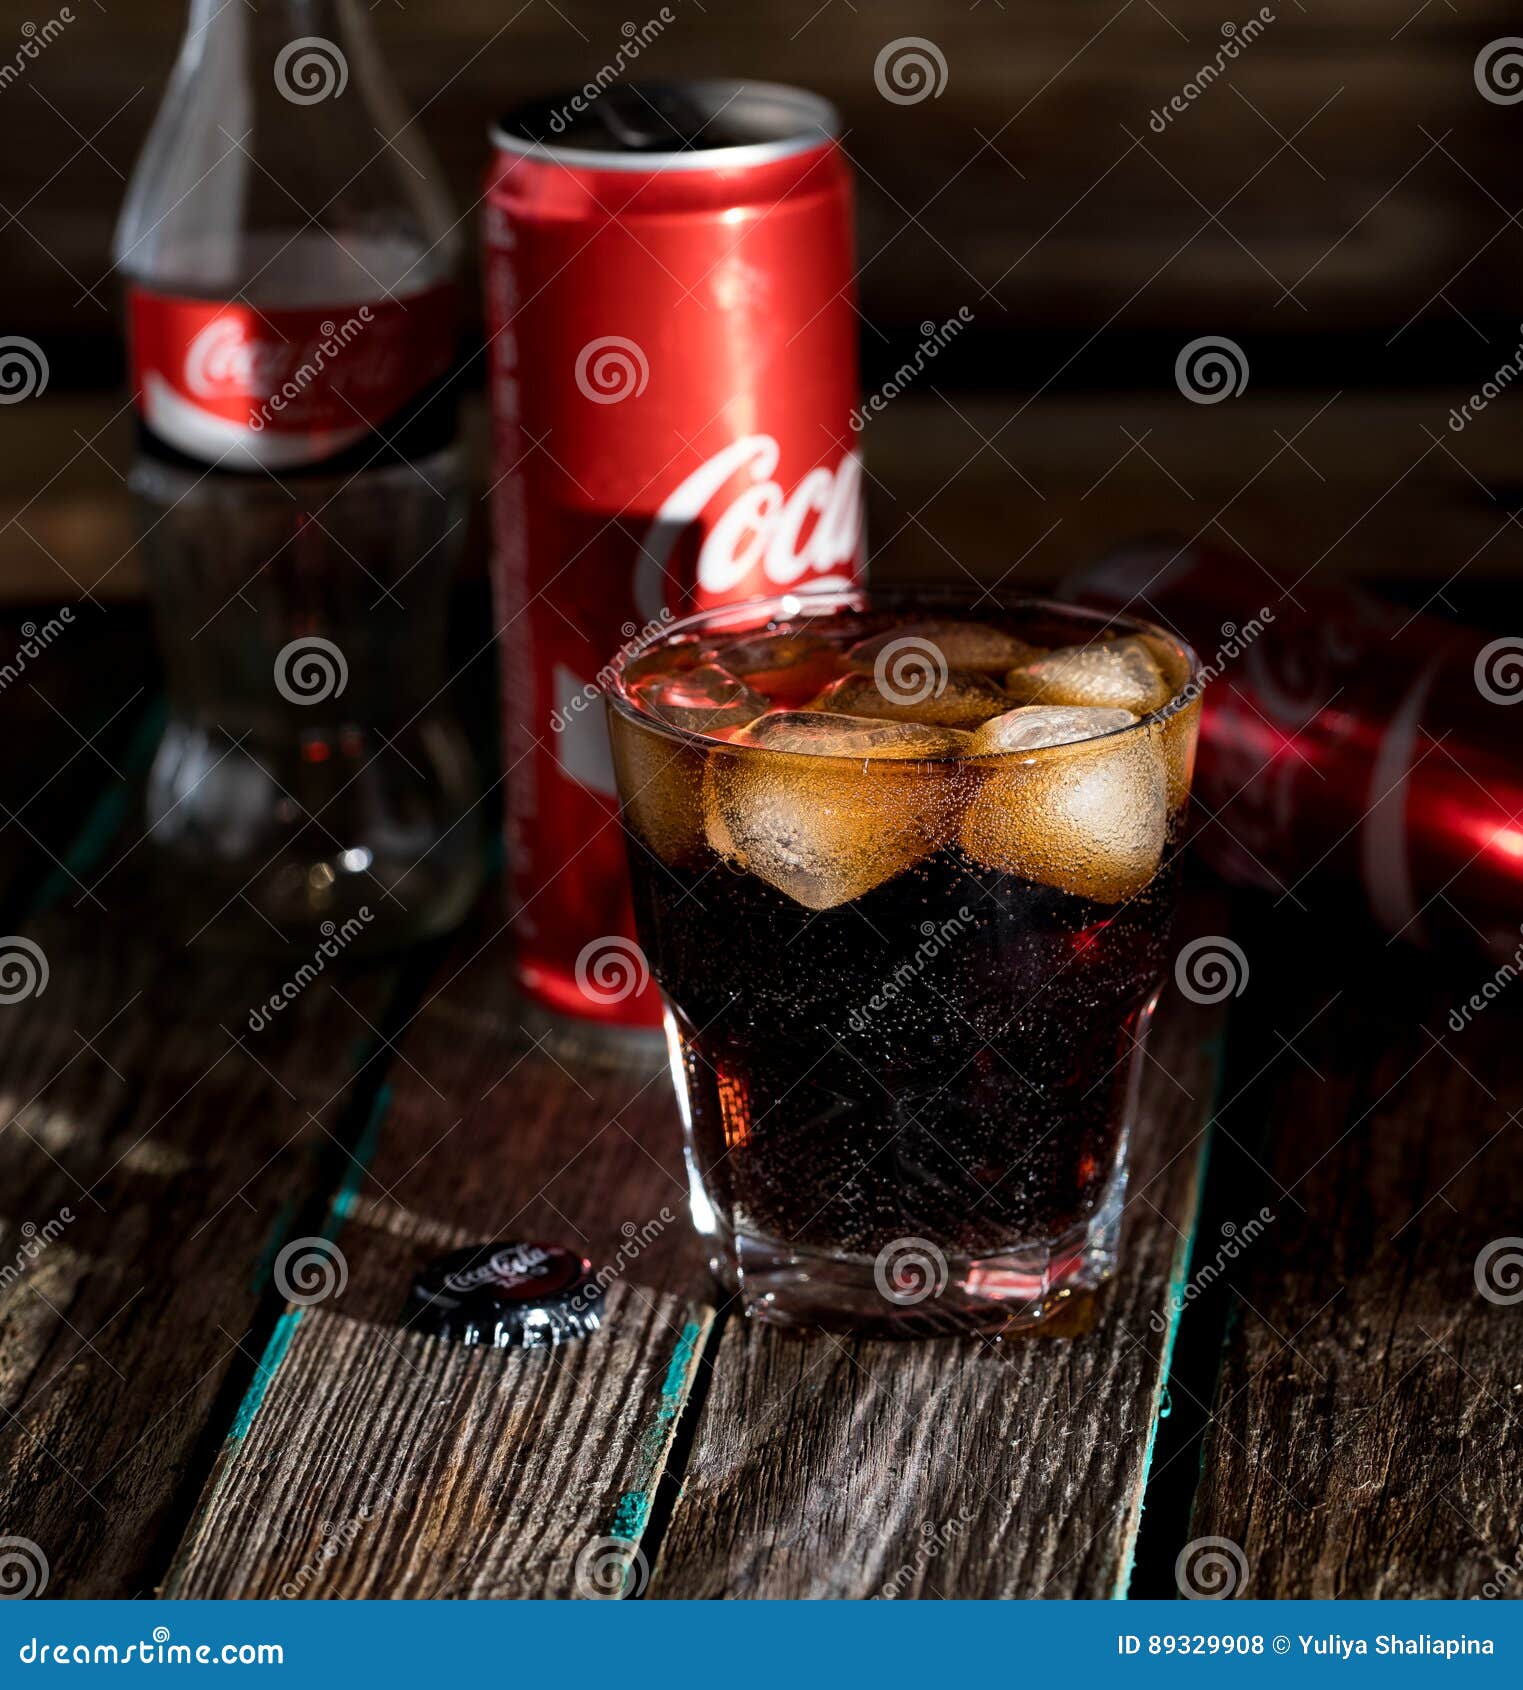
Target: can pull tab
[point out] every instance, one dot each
(654, 119)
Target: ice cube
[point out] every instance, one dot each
(961, 645)
(838, 807)
(823, 733)
(1087, 818)
(1034, 726)
(1177, 735)
(1119, 674)
(789, 668)
(669, 659)
(660, 789)
(705, 699)
(965, 699)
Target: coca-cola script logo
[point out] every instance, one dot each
(511, 1267)
(281, 386)
(763, 537)
(229, 359)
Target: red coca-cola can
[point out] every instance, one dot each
(672, 345)
(1347, 744)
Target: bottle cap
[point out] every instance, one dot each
(507, 1295)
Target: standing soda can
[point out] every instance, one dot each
(672, 335)
(1346, 742)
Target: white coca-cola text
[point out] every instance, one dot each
(761, 532)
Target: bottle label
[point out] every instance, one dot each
(241, 386)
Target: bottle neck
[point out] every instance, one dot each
(274, 23)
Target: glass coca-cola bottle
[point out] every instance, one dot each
(288, 257)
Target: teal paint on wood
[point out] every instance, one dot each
(269, 1363)
(359, 1166)
(1174, 1308)
(106, 816)
(265, 1266)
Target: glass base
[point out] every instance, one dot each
(911, 1289)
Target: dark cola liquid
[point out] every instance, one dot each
(944, 1057)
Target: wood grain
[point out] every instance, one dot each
(827, 1467)
(383, 1463)
(1026, 488)
(163, 1153)
(500, 1469)
(1022, 183)
(1366, 1436)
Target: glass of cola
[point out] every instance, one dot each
(903, 869)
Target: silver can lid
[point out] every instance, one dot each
(703, 125)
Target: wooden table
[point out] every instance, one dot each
(1295, 1357)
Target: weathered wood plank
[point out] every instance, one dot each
(383, 1463)
(1366, 1437)
(1376, 485)
(828, 1467)
(1036, 114)
(160, 1151)
(503, 1472)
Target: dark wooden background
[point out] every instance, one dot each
(1342, 203)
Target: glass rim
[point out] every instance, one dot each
(757, 612)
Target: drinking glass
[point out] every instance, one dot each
(903, 869)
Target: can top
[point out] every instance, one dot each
(701, 125)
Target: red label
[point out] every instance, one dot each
(282, 388)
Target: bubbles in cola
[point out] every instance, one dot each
(907, 964)
(288, 257)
